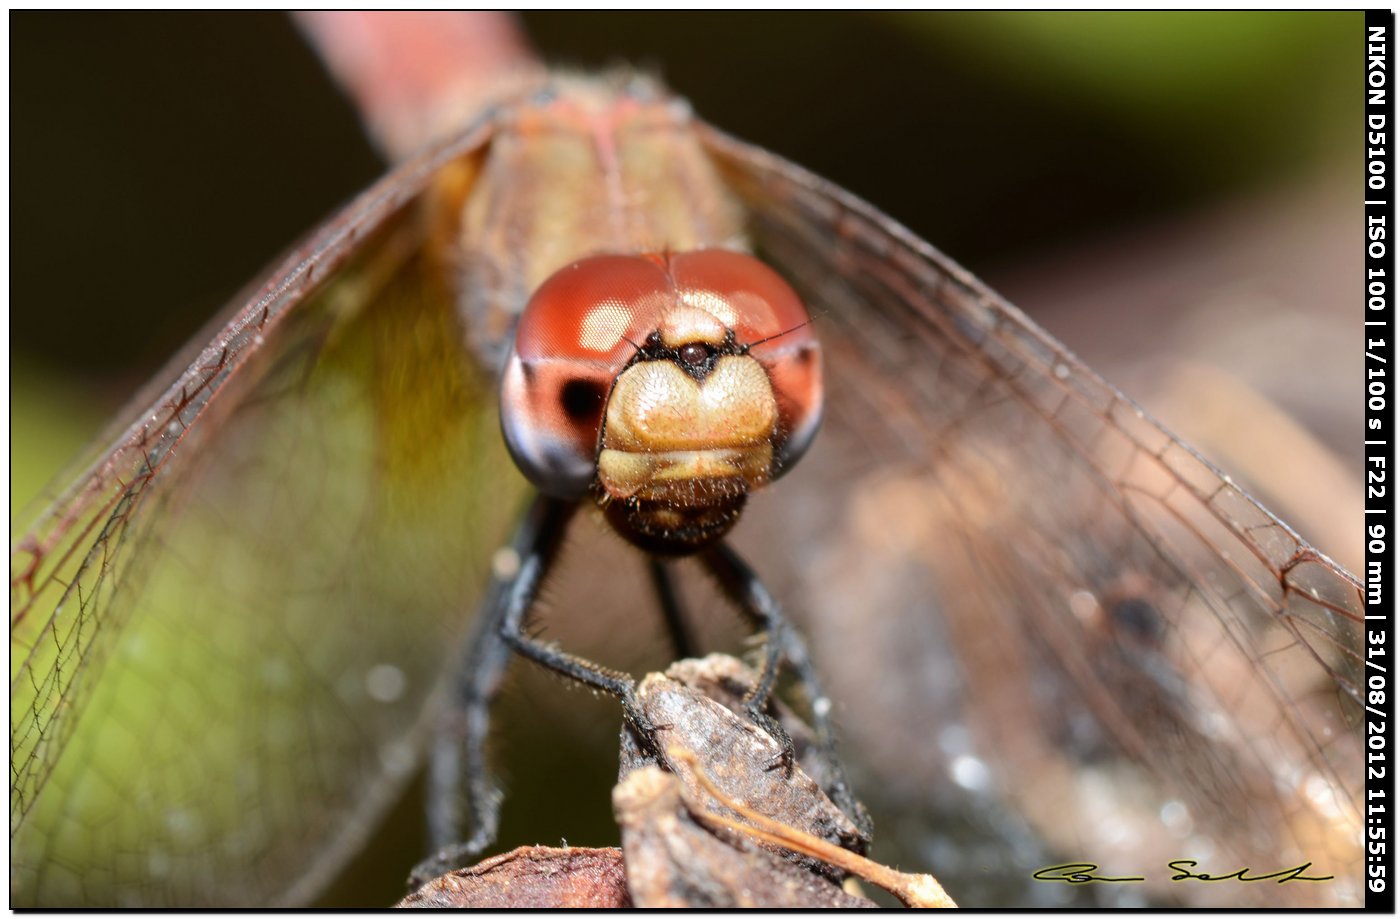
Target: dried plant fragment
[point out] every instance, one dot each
(675, 861)
(530, 877)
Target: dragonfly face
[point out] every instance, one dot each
(675, 384)
(1053, 631)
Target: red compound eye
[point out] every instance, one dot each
(588, 311)
(588, 320)
(758, 302)
(767, 316)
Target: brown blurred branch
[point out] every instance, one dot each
(713, 826)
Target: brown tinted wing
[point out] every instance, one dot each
(1055, 632)
(224, 634)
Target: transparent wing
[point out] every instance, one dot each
(223, 635)
(1055, 633)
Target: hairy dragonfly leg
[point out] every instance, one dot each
(744, 588)
(682, 641)
(459, 747)
(459, 750)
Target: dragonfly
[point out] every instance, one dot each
(1065, 632)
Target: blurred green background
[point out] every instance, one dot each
(159, 161)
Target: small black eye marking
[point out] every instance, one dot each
(581, 398)
(694, 354)
(696, 358)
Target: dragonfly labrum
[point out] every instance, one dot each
(237, 630)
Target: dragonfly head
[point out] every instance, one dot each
(666, 386)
